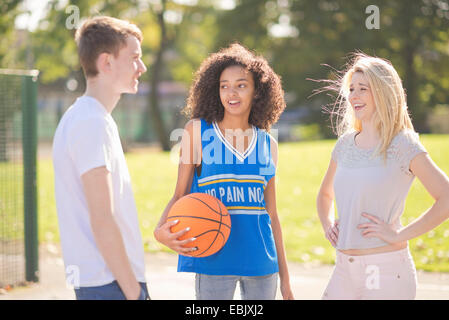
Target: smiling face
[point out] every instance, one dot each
(361, 97)
(236, 90)
(127, 67)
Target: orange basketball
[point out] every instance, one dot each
(208, 219)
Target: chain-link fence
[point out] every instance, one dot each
(18, 213)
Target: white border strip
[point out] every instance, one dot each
(248, 212)
(231, 148)
(232, 176)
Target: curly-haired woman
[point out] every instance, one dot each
(227, 152)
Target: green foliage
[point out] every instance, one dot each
(189, 39)
(54, 43)
(195, 36)
(10, 104)
(9, 10)
(413, 35)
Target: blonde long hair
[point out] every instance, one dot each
(391, 115)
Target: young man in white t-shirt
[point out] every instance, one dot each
(99, 231)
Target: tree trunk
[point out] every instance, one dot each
(153, 113)
(410, 83)
(410, 48)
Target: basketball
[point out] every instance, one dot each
(208, 219)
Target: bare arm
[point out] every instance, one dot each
(325, 205)
(97, 185)
(190, 156)
(270, 204)
(437, 184)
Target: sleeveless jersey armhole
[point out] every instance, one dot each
(199, 166)
(271, 171)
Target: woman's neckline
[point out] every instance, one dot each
(358, 147)
(240, 155)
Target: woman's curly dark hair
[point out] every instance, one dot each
(204, 97)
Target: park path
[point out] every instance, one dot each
(164, 283)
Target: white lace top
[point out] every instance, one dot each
(365, 182)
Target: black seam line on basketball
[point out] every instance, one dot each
(219, 227)
(221, 220)
(219, 213)
(211, 230)
(218, 203)
(210, 246)
(202, 219)
(217, 231)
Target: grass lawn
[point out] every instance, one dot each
(301, 168)
(11, 203)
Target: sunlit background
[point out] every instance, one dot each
(304, 41)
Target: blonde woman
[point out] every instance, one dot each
(373, 164)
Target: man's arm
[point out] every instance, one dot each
(97, 185)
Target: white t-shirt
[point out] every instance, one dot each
(365, 182)
(87, 138)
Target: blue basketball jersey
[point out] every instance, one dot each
(238, 180)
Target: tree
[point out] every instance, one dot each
(152, 113)
(9, 10)
(298, 37)
(10, 85)
(414, 35)
(177, 35)
(162, 36)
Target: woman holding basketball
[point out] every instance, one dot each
(373, 164)
(227, 152)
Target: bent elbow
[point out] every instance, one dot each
(324, 196)
(446, 203)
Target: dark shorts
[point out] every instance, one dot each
(109, 291)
